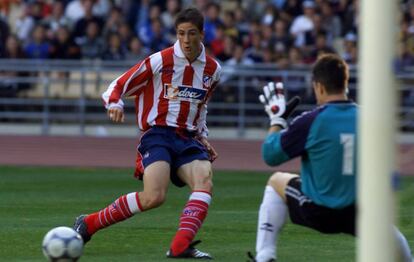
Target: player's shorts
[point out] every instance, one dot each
(303, 211)
(175, 146)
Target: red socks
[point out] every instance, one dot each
(191, 220)
(122, 208)
(192, 217)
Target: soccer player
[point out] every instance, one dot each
(171, 90)
(322, 197)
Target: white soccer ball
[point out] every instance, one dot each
(62, 244)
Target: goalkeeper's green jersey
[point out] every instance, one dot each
(326, 140)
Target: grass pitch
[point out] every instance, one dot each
(34, 200)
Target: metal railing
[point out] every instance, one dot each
(51, 91)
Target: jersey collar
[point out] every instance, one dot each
(178, 52)
(349, 101)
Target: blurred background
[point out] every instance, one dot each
(60, 155)
(57, 57)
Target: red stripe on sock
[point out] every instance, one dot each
(192, 217)
(199, 204)
(109, 216)
(103, 218)
(114, 213)
(125, 206)
(119, 208)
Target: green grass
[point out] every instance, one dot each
(34, 200)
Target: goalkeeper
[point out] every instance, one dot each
(323, 196)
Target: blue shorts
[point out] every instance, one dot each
(177, 147)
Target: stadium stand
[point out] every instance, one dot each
(267, 30)
(255, 41)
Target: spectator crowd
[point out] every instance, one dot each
(282, 32)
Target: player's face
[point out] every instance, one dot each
(190, 39)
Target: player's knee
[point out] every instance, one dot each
(279, 181)
(153, 200)
(208, 184)
(275, 179)
(205, 180)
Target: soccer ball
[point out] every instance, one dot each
(62, 244)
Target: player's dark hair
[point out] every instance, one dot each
(332, 72)
(190, 15)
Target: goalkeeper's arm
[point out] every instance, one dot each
(278, 110)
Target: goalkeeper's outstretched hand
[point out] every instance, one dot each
(273, 99)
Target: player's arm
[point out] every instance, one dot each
(274, 129)
(210, 149)
(116, 114)
(128, 84)
(203, 133)
(202, 123)
(278, 111)
(272, 151)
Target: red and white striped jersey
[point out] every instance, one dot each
(168, 89)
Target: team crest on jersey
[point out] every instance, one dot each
(207, 80)
(184, 93)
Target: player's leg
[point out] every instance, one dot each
(156, 180)
(403, 249)
(198, 176)
(272, 216)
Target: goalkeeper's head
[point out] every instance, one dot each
(330, 76)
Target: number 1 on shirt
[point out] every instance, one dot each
(348, 144)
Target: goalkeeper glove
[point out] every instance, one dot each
(273, 99)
